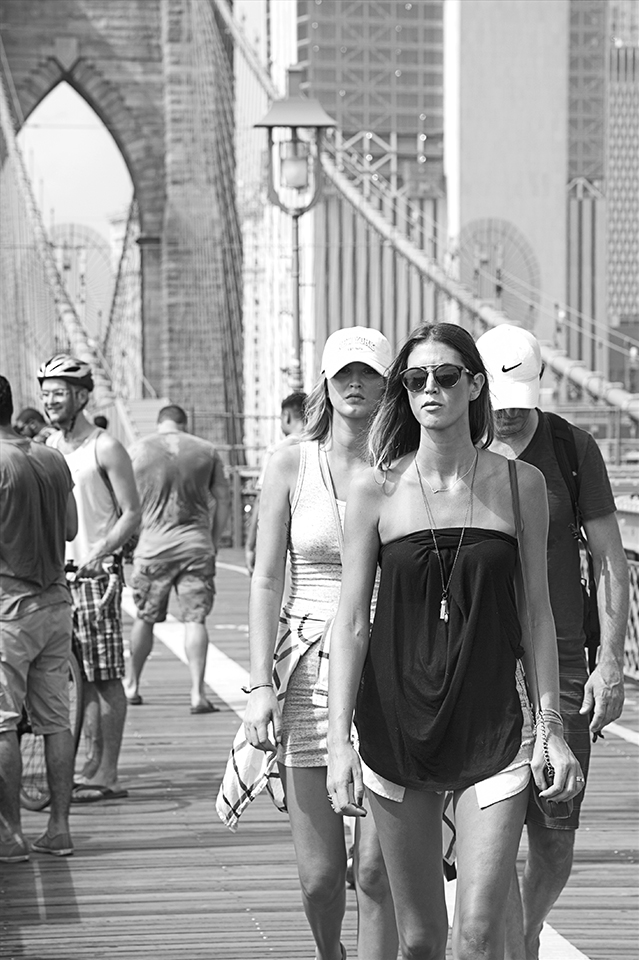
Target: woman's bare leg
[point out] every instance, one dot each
(487, 844)
(320, 850)
(376, 928)
(410, 835)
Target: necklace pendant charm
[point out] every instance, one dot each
(443, 610)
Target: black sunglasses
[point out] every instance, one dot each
(446, 375)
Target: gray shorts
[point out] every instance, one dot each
(194, 583)
(34, 669)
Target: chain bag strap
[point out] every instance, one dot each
(550, 808)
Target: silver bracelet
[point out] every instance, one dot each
(256, 687)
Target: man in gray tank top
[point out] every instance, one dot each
(108, 513)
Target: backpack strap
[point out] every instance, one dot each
(566, 453)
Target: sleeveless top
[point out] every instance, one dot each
(174, 473)
(438, 707)
(96, 509)
(316, 564)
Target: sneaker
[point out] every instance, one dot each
(14, 851)
(58, 846)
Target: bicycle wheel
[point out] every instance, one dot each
(34, 789)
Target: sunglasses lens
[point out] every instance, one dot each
(414, 381)
(447, 375)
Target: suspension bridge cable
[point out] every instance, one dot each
(76, 333)
(429, 270)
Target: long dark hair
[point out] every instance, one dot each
(395, 431)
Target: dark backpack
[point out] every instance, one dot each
(566, 453)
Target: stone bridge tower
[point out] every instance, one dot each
(158, 73)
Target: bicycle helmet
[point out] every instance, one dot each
(65, 367)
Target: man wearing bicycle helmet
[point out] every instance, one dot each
(108, 513)
(37, 513)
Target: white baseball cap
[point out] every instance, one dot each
(356, 345)
(512, 358)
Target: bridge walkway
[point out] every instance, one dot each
(157, 876)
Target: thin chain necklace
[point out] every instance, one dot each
(443, 606)
(454, 484)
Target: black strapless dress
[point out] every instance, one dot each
(437, 707)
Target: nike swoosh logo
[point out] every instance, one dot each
(507, 369)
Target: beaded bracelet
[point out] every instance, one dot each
(256, 687)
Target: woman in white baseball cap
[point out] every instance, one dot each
(302, 513)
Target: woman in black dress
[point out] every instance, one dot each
(437, 690)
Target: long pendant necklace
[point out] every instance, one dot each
(454, 483)
(443, 606)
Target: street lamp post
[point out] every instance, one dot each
(295, 127)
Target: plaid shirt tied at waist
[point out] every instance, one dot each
(248, 770)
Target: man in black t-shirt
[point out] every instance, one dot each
(588, 702)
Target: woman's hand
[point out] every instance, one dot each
(569, 779)
(263, 711)
(344, 781)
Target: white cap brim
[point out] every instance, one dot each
(353, 356)
(511, 394)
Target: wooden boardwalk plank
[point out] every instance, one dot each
(156, 875)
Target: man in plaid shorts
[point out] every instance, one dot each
(108, 513)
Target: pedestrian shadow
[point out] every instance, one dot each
(41, 893)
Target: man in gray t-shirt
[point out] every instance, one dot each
(37, 514)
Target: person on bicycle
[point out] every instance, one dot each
(108, 514)
(37, 514)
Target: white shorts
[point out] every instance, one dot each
(507, 783)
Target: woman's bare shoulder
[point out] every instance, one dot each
(530, 479)
(389, 477)
(284, 462)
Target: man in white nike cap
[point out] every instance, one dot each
(513, 360)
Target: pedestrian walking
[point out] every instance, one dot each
(438, 706)
(185, 505)
(108, 514)
(588, 702)
(31, 424)
(282, 742)
(37, 514)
